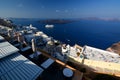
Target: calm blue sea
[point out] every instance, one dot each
(100, 34)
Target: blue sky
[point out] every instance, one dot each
(60, 8)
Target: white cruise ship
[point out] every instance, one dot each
(49, 26)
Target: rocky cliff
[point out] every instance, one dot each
(114, 48)
(7, 23)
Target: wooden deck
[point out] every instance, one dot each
(77, 74)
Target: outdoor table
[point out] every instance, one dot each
(67, 72)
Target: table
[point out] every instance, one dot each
(67, 72)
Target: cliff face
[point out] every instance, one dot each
(7, 23)
(114, 48)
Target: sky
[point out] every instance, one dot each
(60, 8)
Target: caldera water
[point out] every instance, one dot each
(95, 33)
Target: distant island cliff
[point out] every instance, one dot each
(102, 19)
(114, 48)
(56, 21)
(64, 21)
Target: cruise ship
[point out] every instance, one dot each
(49, 26)
(28, 54)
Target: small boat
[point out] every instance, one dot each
(49, 26)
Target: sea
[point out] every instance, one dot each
(95, 33)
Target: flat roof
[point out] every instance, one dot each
(18, 67)
(100, 55)
(1, 38)
(6, 49)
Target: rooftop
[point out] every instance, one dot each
(14, 66)
(6, 49)
(100, 55)
(17, 67)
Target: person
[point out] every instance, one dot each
(21, 40)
